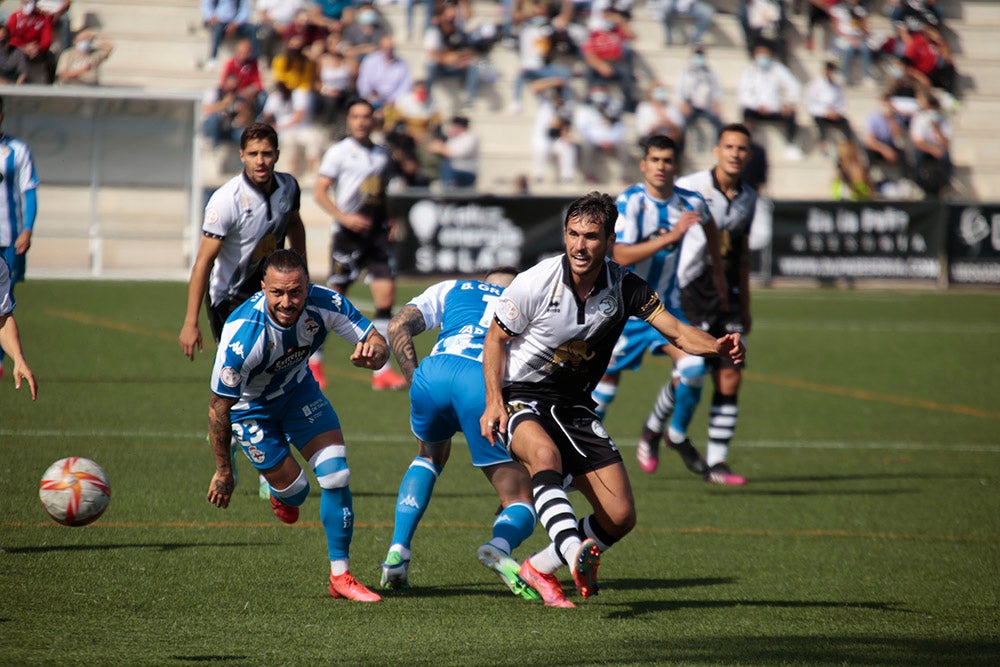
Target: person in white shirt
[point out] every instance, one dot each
(552, 138)
(274, 18)
(290, 112)
(460, 151)
(656, 115)
(699, 93)
(930, 132)
(827, 104)
(849, 21)
(535, 42)
(601, 131)
(769, 92)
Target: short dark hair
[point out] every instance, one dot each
(255, 131)
(659, 142)
(734, 127)
(286, 260)
(594, 207)
(505, 270)
(355, 100)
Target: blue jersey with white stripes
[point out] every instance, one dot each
(463, 309)
(260, 363)
(642, 216)
(17, 171)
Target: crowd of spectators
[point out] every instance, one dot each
(595, 93)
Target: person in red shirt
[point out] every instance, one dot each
(609, 56)
(243, 65)
(31, 31)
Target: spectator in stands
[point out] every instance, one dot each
(416, 112)
(903, 82)
(227, 19)
(432, 9)
(290, 113)
(925, 11)
(292, 67)
(769, 92)
(602, 133)
(765, 21)
(459, 151)
(274, 20)
(364, 31)
(81, 65)
(699, 94)
(334, 83)
(313, 34)
(609, 56)
(13, 62)
(656, 115)
(31, 31)
(884, 140)
(702, 13)
(819, 12)
(536, 42)
(448, 53)
(328, 14)
(930, 54)
(225, 113)
(852, 182)
(244, 65)
(552, 138)
(930, 132)
(383, 76)
(850, 25)
(827, 104)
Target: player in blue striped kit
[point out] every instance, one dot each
(265, 395)
(10, 337)
(447, 395)
(653, 217)
(19, 185)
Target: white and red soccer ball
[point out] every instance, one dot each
(74, 491)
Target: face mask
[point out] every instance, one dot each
(608, 25)
(420, 95)
(539, 21)
(598, 97)
(660, 95)
(698, 60)
(368, 18)
(763, 61)
(83, 46)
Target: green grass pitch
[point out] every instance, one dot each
(869, 532)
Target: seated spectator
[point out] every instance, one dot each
(448, 53)
(228, 19)
(274, 20)
(31, 31)
(903, 82)
(850, 25)
(885, 143)
(599, 124)
(334, 83)
(930, 132)
(852, 182)
(404, 168)
(925, 11)
(459, 151)
(930, 54)
(313, 34)
(328, 14)
(432, 8)
(364, 32)
(225, 113)
(699, 94)
(289, 112)
(769, 92)
(827, 104)
(292, 67)
(416, 111)
(13, 62)
(699, 10)
(765, 21)
(656, 115)
(383, 76)
(609, 56)
(535, 45)
(552, 138)
(819, 12)
(244, 66)
(81, 64)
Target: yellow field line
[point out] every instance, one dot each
(695, 530)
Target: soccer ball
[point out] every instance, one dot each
(74, 491)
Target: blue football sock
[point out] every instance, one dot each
(514, 525)
(686, 400)
(336, 513)
(414, 495)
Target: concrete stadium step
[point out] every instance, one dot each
(171, 18)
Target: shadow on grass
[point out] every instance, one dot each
(168, 547)
(635, 609)
(790, 493)
(209, 658)
(878, 476)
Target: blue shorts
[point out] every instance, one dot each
(16, 263)
(265, 432)
(447, 396)
(639, 337)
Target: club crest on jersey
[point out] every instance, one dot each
(509, 309)
(255, 454)
(211, 216)
(311, 326)
(230, 376)
(608, 306)
(283, 204)
(291, 358)
(598, 428)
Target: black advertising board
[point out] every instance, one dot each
(974, 244)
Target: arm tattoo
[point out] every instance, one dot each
(407, 323)
(220, 430)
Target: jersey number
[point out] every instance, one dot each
(248, 432)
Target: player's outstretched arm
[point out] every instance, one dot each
(10, 341)
(695, 341)
(190, 336)
(494, 365)
(372, 352)
(407, 323)
(220, 432)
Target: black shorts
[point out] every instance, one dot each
(351, 254)
(218, 314)
(577, 432)
(702, 307)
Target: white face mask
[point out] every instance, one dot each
(763, 61)
(661, 95)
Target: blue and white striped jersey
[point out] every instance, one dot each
(259, 363)
(17, 171)
(463, 309)
(642, 216)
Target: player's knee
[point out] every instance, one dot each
(296, 493)
(691, 371)
(330, 465)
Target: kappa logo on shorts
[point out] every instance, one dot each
(255, 454)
